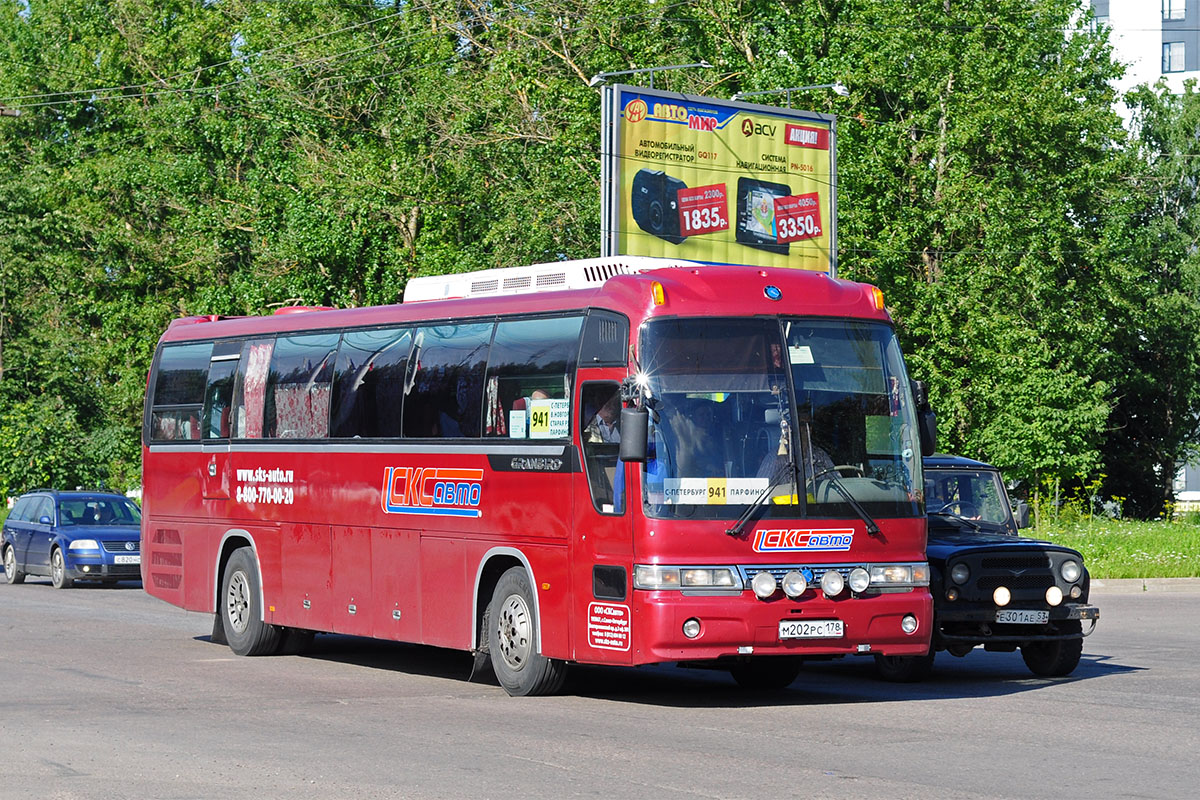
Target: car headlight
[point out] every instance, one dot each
(657, 576)
(960, 573)
(84, 544)
(1070, 570)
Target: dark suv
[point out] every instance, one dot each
(990, 586)
(70, 536)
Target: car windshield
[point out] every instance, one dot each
(98, 511)
(737, 400)
(974, 494)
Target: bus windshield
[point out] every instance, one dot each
(737, 402)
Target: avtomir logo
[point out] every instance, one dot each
(636, 110)
(782, 540)
(437, 491)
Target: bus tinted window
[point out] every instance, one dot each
(368, 384)
(446, 396)
(250, 389)
(217, 397)
(529, 378)
(179, 391)
(298, 386)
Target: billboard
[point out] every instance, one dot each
(717, 181)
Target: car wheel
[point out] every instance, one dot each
(59, 578)
(512, 640)
(1054, 659)
(904, 669)
(241, 608)
(768, 672)
(11, 573)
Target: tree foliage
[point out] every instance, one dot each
(228, 156)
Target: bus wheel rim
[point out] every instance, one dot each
(237, 602)
(516, 632)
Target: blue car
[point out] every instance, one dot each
(73, 536)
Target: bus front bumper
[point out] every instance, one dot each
(742, 625)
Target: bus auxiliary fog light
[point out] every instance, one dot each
(764, 585)
(691, 628)
(908, 624)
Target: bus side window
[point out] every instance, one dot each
(600, 425)
(298, 387)
(446, 395)
(180, 379)
(218, 395)
(368, 383)
(250, 389)
(529, 378)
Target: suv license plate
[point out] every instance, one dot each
(810, 629)
(1020, 617)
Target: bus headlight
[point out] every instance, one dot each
(860, 579)
(764, 585)
(659, 577)
(899, 574)
(832, 583)
(794, 584)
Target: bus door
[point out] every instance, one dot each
(216, 420)
(603, 540)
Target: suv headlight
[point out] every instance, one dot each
(657, 576)
(1070, 570)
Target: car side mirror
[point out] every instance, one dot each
(45, 520)
(1021, 512)
(926, 419)
(635, 427)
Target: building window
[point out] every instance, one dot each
(1174, 9)
(1172, 57)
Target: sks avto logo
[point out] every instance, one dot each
(435, 491)
(782, 540)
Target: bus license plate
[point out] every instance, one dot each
(810, 629)
(1020, 617)
(127, 559)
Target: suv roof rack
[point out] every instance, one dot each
(555, 276)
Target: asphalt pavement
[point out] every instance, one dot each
(108, 693)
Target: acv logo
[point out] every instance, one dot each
(750, 128)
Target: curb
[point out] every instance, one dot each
(1140, 585)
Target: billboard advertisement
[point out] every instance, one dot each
(717, 181)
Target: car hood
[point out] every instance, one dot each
(120, 533)
(943, 542)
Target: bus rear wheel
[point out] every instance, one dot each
(241, 607)
(513, 637)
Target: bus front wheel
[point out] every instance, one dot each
(513, 637)
(241, 607)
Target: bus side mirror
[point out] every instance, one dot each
(635, 427)
(926, 419)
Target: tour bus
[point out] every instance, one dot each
(612, 461)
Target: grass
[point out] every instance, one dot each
(1127, 548)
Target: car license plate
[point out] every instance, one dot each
(1021, 617)
(811, 629)
(127, 559)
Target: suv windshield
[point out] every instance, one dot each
(736, 400)
(976, 495)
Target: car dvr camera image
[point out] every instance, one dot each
(756, 214)
(656, 204)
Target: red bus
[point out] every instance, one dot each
(604, 462)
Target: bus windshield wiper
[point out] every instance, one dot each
(786, 471)
(848, 496)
